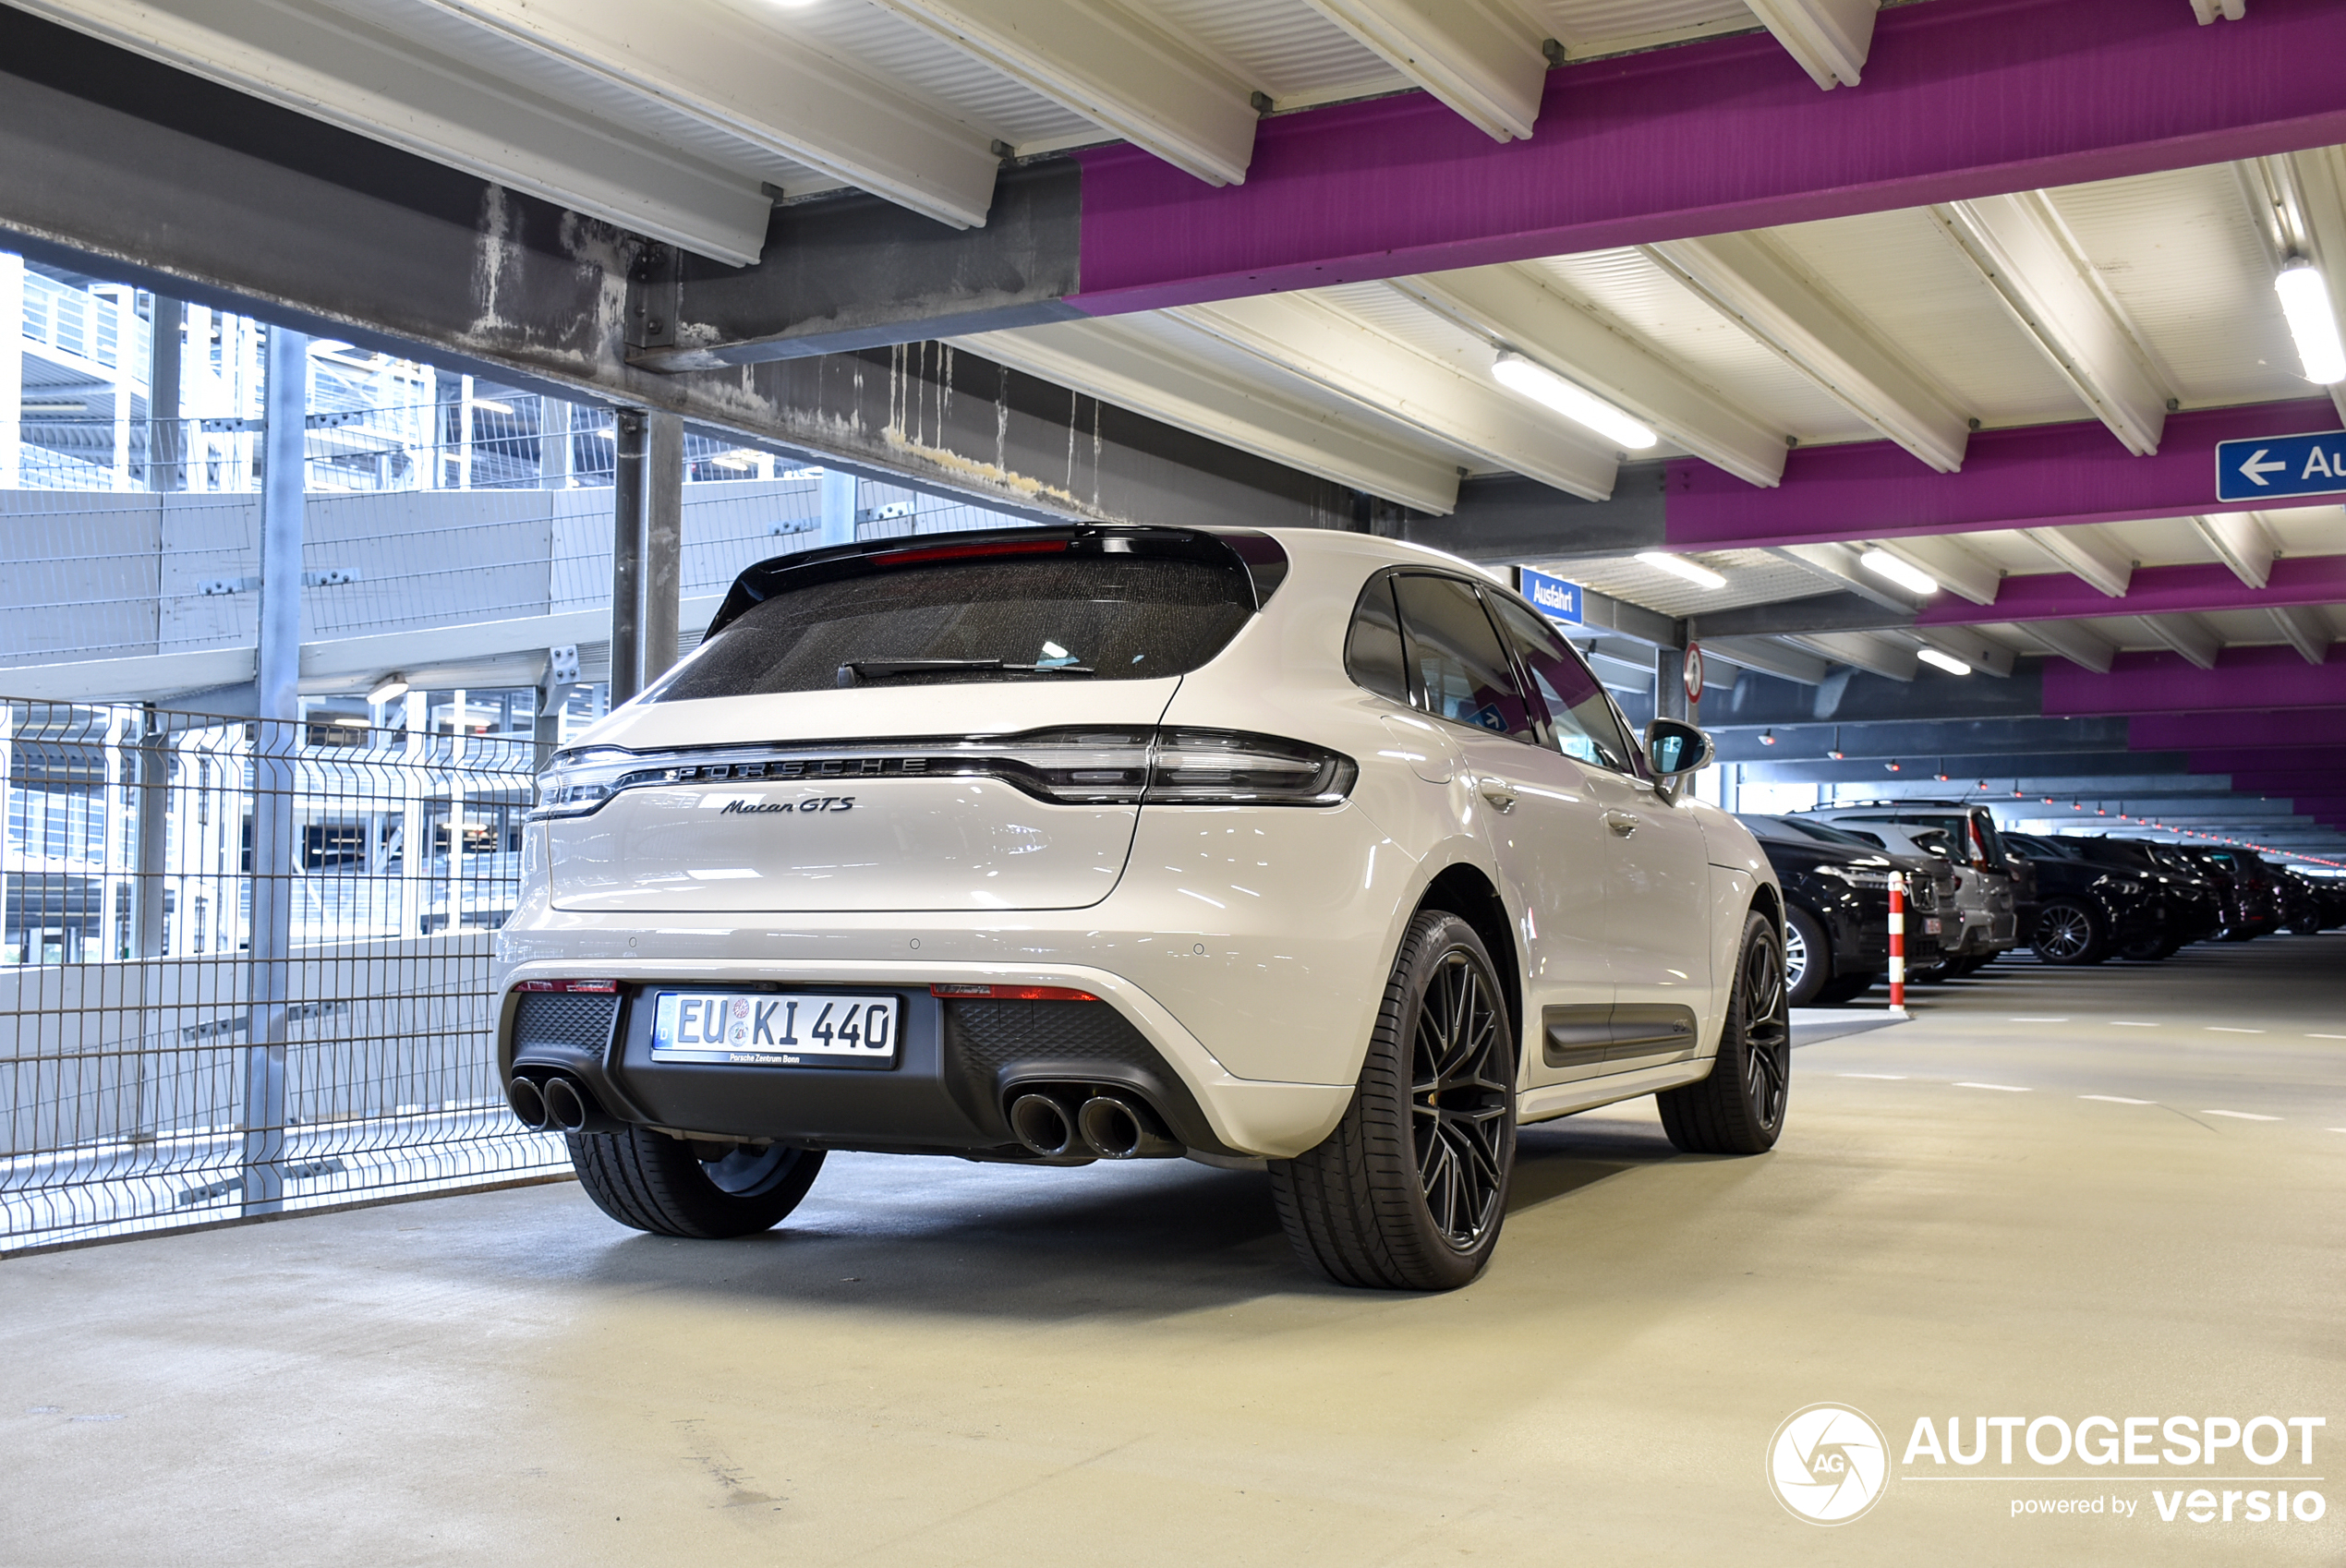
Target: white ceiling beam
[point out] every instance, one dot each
(2080, 550)
(341, 68)
(1986, 657)
(751, 78)
(1334, 349)
(1512, 307)
(1112, 64)
(1951, 561)
(1480, 59)
(2307, 629)
(2219, 10)
(1837, 564)
(2186, 635)
(1869, 651)
(2241, 541)
(1769, 655)
(1829, 38)
(2080, 646)
(1134, 370)
(1749, 277)
(2033, 264)
(2314, 192)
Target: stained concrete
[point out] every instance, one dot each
(936, 1363)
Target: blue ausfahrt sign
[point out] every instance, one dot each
(2270, 466)
(1552, 597)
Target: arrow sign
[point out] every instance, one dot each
(2267, 468)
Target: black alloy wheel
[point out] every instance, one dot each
(2070, 933)
(1410, 1191)
(1740, 1109)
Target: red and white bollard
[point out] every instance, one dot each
(1897, 944)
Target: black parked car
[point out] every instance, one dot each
(2086, 911)
(2307, 907)
(2245, 887)
(1836, 890)
(2189, 906)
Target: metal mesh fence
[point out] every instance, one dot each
(247, 966)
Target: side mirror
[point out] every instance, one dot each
(1674, 749)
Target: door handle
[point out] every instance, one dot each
(1499, 793)
(1623, 823)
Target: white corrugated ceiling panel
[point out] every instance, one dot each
(1651, 308)
(2179, 255)
(1904, 278)
(1282, 47)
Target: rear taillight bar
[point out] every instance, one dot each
(1011, 993)
(599, 987)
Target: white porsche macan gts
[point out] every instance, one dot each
(1114, 842)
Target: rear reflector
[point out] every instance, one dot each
(1013, 993)
(602, 987)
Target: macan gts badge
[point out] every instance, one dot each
(1309, 850)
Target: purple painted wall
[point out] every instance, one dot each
(1962, 97)
(2039, 475)
(2245, 730)
(2153, 590)
(2168, 682)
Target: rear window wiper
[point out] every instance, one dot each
(861, 671)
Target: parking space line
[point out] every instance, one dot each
(1897, 1077)
(2117, 1100)
(2123, 1023)
(2326, 1037)
(2220, 1029)
(2038, 1020)
(2240, 1115)
(2007, 1088)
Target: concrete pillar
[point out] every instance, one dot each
(553, 444)
(627, 556)
(166, 460)
(663, 542)
(276, 751)
(1669, 683)
(11, 371)
(839, 508)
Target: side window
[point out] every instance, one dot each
(1372, 649)
(1585, 729)
(1459, 671)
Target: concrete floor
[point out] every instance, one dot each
(937, 1363)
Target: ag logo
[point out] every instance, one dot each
(1827, 1464)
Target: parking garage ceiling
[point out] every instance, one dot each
(1974, 288)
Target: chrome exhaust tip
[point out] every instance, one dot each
(1116, 1129)
(528, 1103)
(1043, 1126)
(566, 1108)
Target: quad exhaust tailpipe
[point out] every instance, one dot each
(528, 1102)
(1118, 1129)
(554, 1103)
(1045, 1127)
(566, 1108)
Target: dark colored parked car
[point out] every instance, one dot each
(2306, 908)
(2244, 888)
(1837, 889)
(2085, 911)
(2189, 907)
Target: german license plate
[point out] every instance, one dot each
(786, 1028)
(1930, 925)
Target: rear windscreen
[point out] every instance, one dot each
(1060, 617)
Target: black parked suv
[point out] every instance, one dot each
(1836, 892)
(2087, 912)
(2245, 890)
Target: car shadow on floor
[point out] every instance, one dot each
(1555, 1159)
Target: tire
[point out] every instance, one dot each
(658, 1184)
(1845, 988)
(2070, 933)
(1409, 1193)
(1739, 1108)
(1808, 956)
(2151, 951)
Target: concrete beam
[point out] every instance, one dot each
(116, 166)
(2196, 589)
(1482, 61)
(1823, 612)
(1506, 518)
(2166, 682)
(2244, 730)
(1975, 741)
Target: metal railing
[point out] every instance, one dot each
(249, 966)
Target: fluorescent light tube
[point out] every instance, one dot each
(1887, 567)
(2304, 299)
(1679, 566)
(1544, 386)
(1945, 661)
(393, 688)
